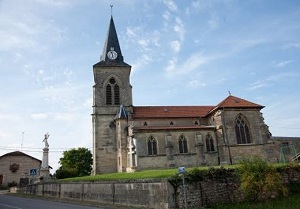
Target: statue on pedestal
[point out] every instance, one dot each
(44, 172)
(46, 139)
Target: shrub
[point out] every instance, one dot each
(260, 180)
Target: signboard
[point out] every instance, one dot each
(33, 172)
(181, 170)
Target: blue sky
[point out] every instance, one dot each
(181, 52)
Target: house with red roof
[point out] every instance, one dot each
(128, 137)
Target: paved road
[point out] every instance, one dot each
(16, 202)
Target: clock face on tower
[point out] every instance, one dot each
(112, 54)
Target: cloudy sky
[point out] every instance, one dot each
(181, 52)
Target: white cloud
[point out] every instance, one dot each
(281, 63)
(171, 5)
(257, 85)
(280, 78)
(175, 45)
(196, 83)
(39, 116)
(166, 16)
(191, 64)
(179, 28)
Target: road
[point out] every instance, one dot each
(16, 202)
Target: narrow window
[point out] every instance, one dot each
(112, 93)
(108, 95)
(182, 142)
(117, 94)
(152, 146)
(209, 143)
(242, 130)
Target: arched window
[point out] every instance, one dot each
(209, 141)
(182, 142)
(152, 146)
(117, 94)
(112, 93)
(108, 95)
(242, 130)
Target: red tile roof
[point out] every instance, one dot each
(190, 111)
(232, 101)
(153, 128)
(170, 111)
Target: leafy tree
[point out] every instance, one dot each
(260, 180)
(74, 163)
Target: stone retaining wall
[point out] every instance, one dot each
(141, 194)
(156, 194)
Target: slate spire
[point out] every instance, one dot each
(111, 50)
(121, 114)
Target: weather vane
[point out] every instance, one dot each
(111, 9)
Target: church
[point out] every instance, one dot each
(128, 138)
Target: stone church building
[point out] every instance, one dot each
(128, 137)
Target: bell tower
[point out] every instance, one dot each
(111, 90)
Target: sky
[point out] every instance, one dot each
(181, 52)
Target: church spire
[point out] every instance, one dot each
(111, 51)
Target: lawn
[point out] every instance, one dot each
(147, 174)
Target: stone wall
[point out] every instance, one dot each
(156, 194)
(142, 194)
(212, 192)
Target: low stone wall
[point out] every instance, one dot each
(212, 192)
(142, 194)
(156, 194)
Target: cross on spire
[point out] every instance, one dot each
(111, 10)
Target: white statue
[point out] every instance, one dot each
(46, 139)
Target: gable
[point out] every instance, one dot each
(18, 154)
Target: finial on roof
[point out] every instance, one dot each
(111, 10)
(229, 93)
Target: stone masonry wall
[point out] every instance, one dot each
(142, 194)
(156, 194)
(211, 192)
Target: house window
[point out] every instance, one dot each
(242, 130)
(152, 146)
(182, 144)
(209, 143)
(112, 93)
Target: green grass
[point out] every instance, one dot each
(292, 202)
(149, 174)
(146, 174)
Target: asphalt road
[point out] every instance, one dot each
(17, 202)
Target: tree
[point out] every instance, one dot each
(74, 163)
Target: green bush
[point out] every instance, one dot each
(260, 180)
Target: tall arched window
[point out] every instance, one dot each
(112, 93)
(242, 130)
(152, 146)
(209, 141)
(117, 94)
(182, 142)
